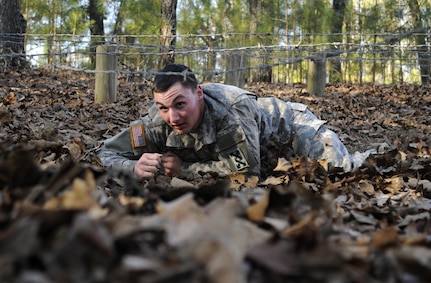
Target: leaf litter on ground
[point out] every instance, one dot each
(64, 218)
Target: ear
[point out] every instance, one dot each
(199, 92)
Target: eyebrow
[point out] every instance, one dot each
(173, 102)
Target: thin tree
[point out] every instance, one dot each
(168, 31)
(97, 29)
(12, 30)
(424, 57)
(338, 9)
(257, 10)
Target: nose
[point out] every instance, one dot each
(173, 115)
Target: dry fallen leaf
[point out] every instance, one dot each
(385, 238)
(74, 150)
(130, 201)
(256, 212)
(368, 225)
(79, 197)
(283, 165)
(367, 187)
(275, 180)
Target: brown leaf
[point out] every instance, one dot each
(275, 181)
(78, 198)
(283, 165)
(366, 187)
(305, 225)
(385, 238)
(131, 201)
(237, 181)
(219, 248)
(256, 212)
(11, 98)
(74, 150)
(394, 184)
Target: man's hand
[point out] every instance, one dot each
(151, 163)
(148, 165)
(172, 164)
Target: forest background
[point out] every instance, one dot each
(377, 41)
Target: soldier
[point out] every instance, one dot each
(213, 127)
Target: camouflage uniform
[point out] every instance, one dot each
(239, 133)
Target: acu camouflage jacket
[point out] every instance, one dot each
(239, 133)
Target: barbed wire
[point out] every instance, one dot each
(423, 30)
(371, 51)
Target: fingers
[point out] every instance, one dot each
(171, 164)
(151, 163)
(148, 165)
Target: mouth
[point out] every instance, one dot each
(178, 127)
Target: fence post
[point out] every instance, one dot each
(106, 74)
(316, 79)
(234, 64)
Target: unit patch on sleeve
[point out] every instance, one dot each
(238, 159)
(137, 135)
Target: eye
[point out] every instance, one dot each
(180, 105)
(163, 108)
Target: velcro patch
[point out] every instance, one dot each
(238, 159)
(137, 135)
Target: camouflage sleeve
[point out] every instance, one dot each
(237, 144)
(117, 152)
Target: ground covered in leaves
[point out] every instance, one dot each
(63, 218)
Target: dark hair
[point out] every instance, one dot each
(173, 73)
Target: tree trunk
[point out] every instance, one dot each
(168, 32)
(97, 28)
(253, 10)
(12, 30)
(424, 57)
(339, 8)
(261, 72)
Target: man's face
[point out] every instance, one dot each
(180, 107)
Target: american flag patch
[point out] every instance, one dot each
(137, 135)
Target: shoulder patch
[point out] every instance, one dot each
(238, 160)
(137, 135)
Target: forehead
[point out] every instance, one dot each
(176, 91)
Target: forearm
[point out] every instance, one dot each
(112, 159)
